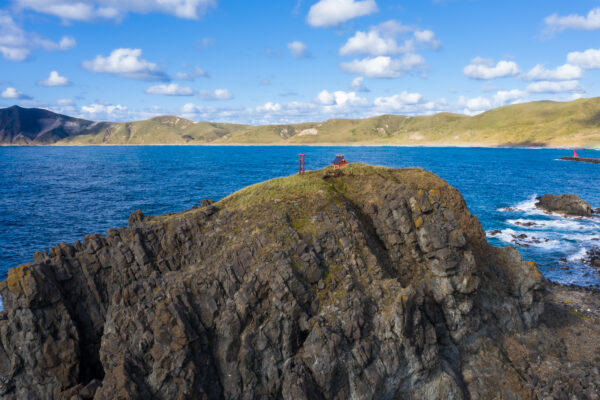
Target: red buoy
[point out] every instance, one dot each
(575, 153)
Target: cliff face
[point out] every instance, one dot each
(373, 283)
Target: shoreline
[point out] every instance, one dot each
(465, 146)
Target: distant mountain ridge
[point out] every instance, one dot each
(541, 123)
(23, 126)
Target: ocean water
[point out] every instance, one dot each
(50, 195)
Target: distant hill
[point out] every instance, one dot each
(36, 126)
(542, 123)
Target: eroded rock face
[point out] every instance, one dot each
(568, 204)
(374, 283)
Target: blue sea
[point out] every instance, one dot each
(50, 195)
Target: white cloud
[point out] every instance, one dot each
(325, 97)
(554, 87)
(190, 76)
(481, 68)
(383, 66)
(65, 102)
(102, 111)
(381, 40)
(64, 106)
(428, 37)
(589, 59)
(503, 97)
(397, 102)
(16, 44)
(472, 106)
(334, 12)
(297, 49)
(13, 94)
(563, 73)
(217, 94)
(372, 43)
(339, 99)
(357, 84)
(79, 10)
(392, 28)
(54, 79)
(172, 89)
(575, 21)
(269, 107)
(126, 63)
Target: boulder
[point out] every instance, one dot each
(592, 257)
(568, 204)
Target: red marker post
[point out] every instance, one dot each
(301, 164)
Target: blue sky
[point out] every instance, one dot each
(293, 60)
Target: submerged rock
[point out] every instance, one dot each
(374, 283)
(569, 204)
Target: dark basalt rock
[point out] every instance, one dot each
(592, 257)
(568, 204)
(372, 284)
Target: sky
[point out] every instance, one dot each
(287, 61)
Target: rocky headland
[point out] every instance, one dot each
(369, 283)
(582, 159)
(567, 204)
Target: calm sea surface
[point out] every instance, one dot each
(50, 195)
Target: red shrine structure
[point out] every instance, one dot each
(339, 162)
(301, 164)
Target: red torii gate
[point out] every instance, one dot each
(301, 164)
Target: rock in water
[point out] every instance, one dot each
(569, 204)
(592, 257)
(375, 283)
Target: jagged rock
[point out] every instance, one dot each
(375, 283)
(206, 202)
(568, 204)
(592, 257)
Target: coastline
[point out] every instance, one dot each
(424, 145)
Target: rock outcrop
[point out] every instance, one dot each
(569, 204)
(373, 283)
(592, 257)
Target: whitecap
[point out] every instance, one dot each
(535, 239)
(567, 224)
(576, 257)
(526, 206)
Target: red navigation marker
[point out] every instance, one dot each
(301, 164)
(575, 153)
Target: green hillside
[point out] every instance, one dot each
(543, 123)
(159, 130)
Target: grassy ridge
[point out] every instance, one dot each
(543, 123)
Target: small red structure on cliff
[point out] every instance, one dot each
(339, 162)
(575, 153)
(301, 164)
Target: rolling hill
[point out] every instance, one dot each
(542, 123)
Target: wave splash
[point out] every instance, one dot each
(561, 242)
